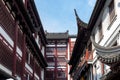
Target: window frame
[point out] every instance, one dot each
(111, 7)
(100, 31)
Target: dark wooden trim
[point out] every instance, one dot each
(23, 56)
(15, 49)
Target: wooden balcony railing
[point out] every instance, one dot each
(37, 69)
(8, 23)
(18, 67)
(61, 64)
(6, 53)
(20, 39)
(61, 53)
(50, 53)
(51, 64)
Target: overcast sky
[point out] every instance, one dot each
(58, 15)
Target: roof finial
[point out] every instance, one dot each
(80, 23)
(76, 13)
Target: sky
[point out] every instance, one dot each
(58, 15)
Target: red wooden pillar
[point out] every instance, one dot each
(86, 55)
(102, 68)
(24, 51)
(23, 56)
(55, 60)
(15, 49)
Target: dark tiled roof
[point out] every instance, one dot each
(80, 23)
(107, 55)
(57, 35)
(82, 29)
(80, 41)
(72, 36)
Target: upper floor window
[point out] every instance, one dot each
(50, 75)
(100, 30)
(61, 74)
(61, 59)
(61, 49)
(115, 43)
(50, 49)
(50, 59)
(111, 10)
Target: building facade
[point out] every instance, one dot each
(106, 40)
(22, 41)
(80, 61)
(57, 55)
(72, 39)
(102, 43)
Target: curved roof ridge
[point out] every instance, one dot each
(80, 23)
(107, 55)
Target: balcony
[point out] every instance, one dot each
(51, 64)
(50, 53)
(61, 53)
(61, 64)
(6, 53)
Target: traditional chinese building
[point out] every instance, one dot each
(72, 39)
(58, 54)
(22, 41)
(80, 61)
(106, 40)
(104, 29)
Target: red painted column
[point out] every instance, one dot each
(102, 68)
(56, 60)
(15, 49)
(86, 55)
(23, 56)
(24, 51)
